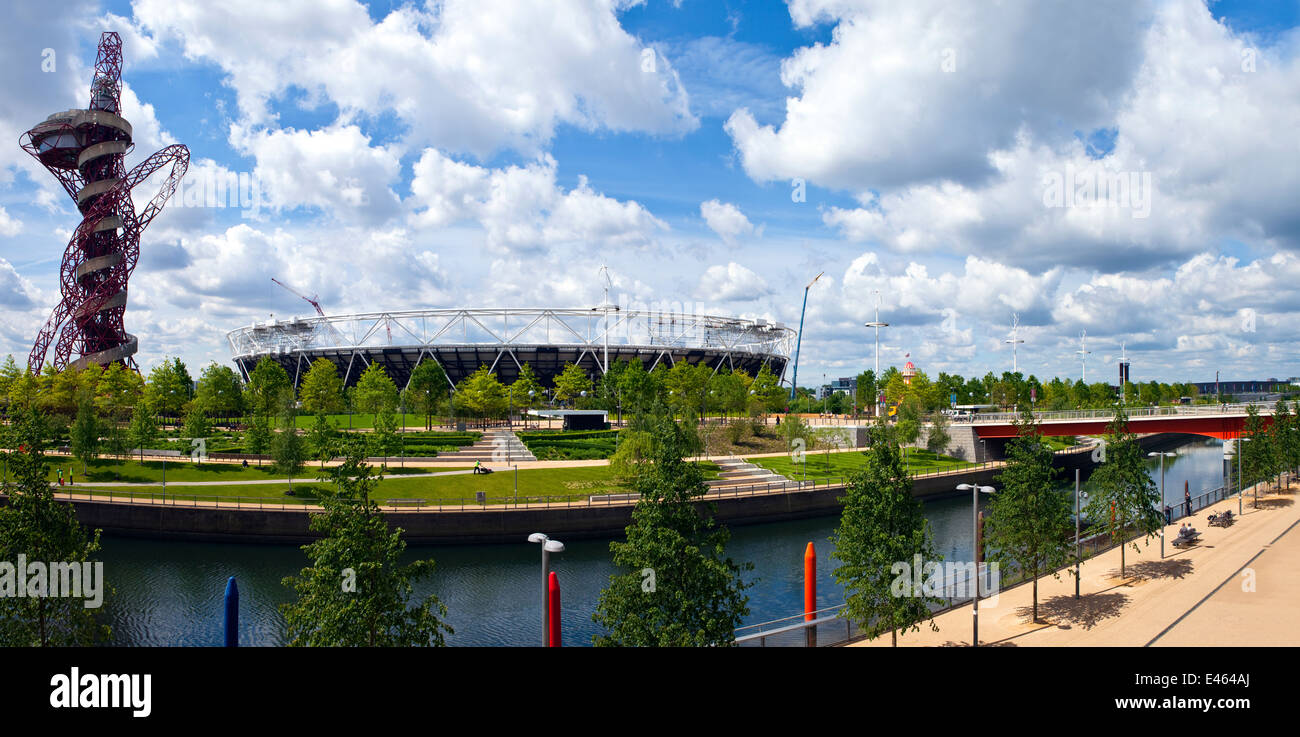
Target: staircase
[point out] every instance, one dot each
(496, 446)
(734, 474)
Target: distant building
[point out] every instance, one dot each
(909, 370)
(1251, 390)
(844, 385)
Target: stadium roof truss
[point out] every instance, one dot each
(503, 339)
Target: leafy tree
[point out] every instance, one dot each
(1029, 520)
(321, 389)
(356, 593)
(1256, 455)
(694, 595)
(865, 393)
(1126, 496)
(258, 437)
(220, 391)
(385, 440)
(322, 439)
(428, 389)
(1279, 435)
(288, 450)
(84, 436)
(33, 523)
(571, 383)
(769, 396)
(196, 420)
(268, 388)
(938, 437)
(9, 374)
(881, 526)
(143, 430)
(374, 391)
(480, 395)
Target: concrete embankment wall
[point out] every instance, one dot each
(497, 523)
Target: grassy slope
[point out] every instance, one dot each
(554, 483)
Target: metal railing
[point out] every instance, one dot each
(1190, 410)
(829, 629)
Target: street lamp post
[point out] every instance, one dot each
(548, 546)
(975, 491)
(1162, 457)
(1078, 544)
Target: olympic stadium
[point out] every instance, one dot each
(461, 340)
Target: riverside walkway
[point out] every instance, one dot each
(1236, 587)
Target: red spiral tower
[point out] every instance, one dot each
(85, 150)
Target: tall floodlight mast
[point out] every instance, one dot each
(84, 150)
(877, 324)
(606, 307)
(1014, 340)
(798, 343)
(1083, 354)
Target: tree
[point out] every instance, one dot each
(480, 394)
(374, 391)
(268, 388)
(428, 389)
(355, 593)
(1126, 496)
(1029, 520)
(938, 438)
(881, 525)
(196, 420)
(322, 439)
(84, 436)
(321, 389)
(385, 440)
(258, 437)
(288, 450)
(34, 524)
(571, 382)
(1256, 455)
(865, 393)
(679, 589)
(144, 427)
(1279, 436)
(220, 391)
(766, 389)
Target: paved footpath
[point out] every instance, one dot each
(1236, 587)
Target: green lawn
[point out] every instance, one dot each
(556, 484)
(134, 472)
(834, 465)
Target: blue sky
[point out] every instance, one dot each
(458, 154)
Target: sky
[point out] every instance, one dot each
(1130, 169)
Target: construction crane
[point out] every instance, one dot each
(311, 299)
(314, 303)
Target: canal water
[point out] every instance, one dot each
(170, 593)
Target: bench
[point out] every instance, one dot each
(1183, 541)
(403, 502)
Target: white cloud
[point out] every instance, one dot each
(470, 76)
(9, 226)
(522, 207)
(732, 282)
(727, 221)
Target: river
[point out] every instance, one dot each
(170, 593)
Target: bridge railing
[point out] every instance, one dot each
(1187, 410)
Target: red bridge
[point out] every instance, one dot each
(1224, 421)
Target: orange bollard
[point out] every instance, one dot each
(553, 600)
(809, 583)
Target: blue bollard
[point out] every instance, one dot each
(232, 613)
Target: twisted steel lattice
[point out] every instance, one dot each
(85, 151)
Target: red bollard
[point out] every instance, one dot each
(553, 600)
(810, 592)
(809, 583)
